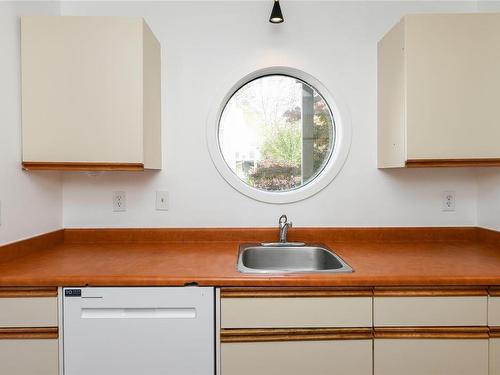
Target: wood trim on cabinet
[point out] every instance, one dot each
(425, 163)
(27, 292)
(294, 334)
(431, 333)
(77, 166)
(291, 292)
(430, 291)
(495, 332)
(29, 333)
(494, 291)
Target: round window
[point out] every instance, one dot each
(277, 137)
(276, 133)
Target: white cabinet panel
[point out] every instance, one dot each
(439, 81)
(495, 356)
(296, 312)
(28, 312)
(494, 311)
(430, 357)
(429, 311)
(342, 357)
(90, 91)
(29, 357)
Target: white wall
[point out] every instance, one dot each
(488, 212)
(208, 46)
(30, 202)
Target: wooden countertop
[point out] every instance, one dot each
(379, 256)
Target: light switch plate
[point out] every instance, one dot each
(162, 200)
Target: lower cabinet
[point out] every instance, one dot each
(296, 331)
(431, 357)
(29, 357)
(343, 357)
(29, 331)
(381, 331)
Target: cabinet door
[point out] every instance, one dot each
(431, 356)
(495, 356)
(29, 357)
(91, 96)
(343, 357)
(453, 83)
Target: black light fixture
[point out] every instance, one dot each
(276, 15)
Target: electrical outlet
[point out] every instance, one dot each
(448, 201)
(119, 201)
(162, 200)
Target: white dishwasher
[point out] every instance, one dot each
(138, 331)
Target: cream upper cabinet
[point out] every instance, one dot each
(91, 93)
(438, 90)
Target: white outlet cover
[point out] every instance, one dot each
(448, 201)
(119, 201)
(161, 201)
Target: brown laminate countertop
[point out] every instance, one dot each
(379, 257)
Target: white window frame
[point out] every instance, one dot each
(341, 146)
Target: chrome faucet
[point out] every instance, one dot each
(284, 225)
(283, 241)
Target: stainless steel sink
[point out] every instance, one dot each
(254, 258)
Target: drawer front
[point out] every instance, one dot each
(29, 357)
(494, 311)
(430, 357)
(346, 357)
(495, 356)
(430, 311)
(28, 312)
(296, 312)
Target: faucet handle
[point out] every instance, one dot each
(290, 224)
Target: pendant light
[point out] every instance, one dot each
(276, 15)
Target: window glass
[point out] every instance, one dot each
(276, 133)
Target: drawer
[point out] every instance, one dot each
(280, 312)
(29, 357)
(430, 356)
(347, 357)
(494, 311)
(430, 310)
(28, 308)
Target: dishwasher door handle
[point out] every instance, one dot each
(139, 313)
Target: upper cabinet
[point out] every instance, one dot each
(91, 94)
(439, 90)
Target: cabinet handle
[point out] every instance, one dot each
(139, 313)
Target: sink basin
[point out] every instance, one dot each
(289, 259)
